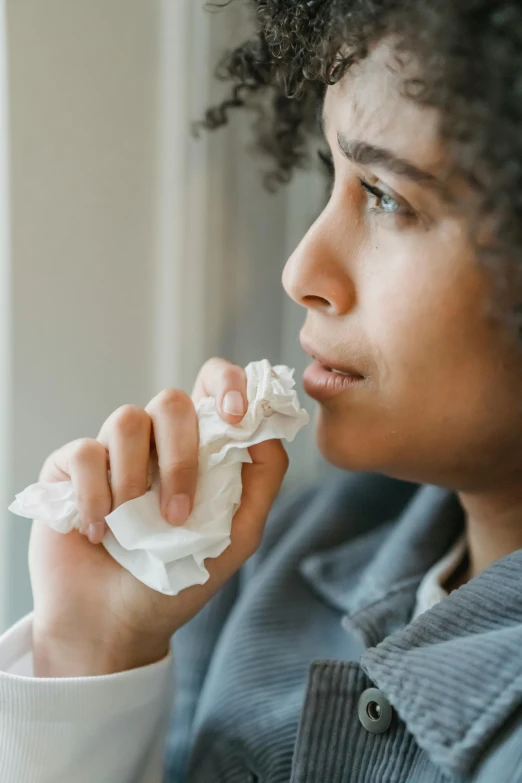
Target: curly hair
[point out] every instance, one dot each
(470, 57)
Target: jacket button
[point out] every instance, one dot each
(375, 712)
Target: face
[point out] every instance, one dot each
(394, 296)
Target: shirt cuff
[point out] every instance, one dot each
(108, 728)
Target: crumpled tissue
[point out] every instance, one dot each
(166, 558)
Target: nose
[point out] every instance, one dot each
(317, 274)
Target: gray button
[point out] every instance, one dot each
(375, 712)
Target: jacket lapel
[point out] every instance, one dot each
(454, 675)
(361, 572)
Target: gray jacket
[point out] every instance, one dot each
(306, 668)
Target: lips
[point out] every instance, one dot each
(330, 363)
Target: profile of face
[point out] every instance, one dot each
(395, 296)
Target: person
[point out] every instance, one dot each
(371, 629)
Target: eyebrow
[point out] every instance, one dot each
(367, 154)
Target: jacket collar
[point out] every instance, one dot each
(393, 557)
(453, 675)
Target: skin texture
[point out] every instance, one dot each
(393, 289)
(404, 301)
(91, 616)
(391, 286)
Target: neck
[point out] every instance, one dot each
(493, 526)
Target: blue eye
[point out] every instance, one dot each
(384, 202)
(388, 204)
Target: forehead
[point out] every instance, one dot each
(367, 105)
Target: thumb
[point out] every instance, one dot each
(262, 481)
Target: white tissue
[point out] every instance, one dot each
(166, 558)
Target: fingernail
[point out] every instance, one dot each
(178, 509)
(95, 533)
(233, 403)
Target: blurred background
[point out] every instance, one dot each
(129, 252)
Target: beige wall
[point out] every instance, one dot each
(82, 84)
(137, 252)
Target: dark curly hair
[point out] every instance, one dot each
(470, 57)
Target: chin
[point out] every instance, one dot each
(342, 448)
(362, 449)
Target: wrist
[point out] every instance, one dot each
(59, 654)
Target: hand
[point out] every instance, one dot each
(92, 616)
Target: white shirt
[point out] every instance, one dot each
(80, 730)
(105, 729)
(431, 589)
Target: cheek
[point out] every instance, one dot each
(424, 311)
(446, 390)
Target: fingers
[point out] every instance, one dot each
(225, 382)
(124, 443)
(126, 435)
(84, 461)
(176, 434)
(262, 481)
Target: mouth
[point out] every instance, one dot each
(330, 364)
(327, 378)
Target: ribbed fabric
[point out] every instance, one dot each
(269, 675)
(463, 667)
(325, 734)
(117, 720)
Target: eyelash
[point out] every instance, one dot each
(402, 211)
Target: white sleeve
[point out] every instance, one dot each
(107, 729)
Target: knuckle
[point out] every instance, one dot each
(221, 369)
(98, 502)
(233, 376)
(213, 363)
(180, 471)
(85, 449)
(48, 465)
(133, 487)
(172, 399)
(130, 419)
(51, 458)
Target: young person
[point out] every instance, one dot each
(371, 631)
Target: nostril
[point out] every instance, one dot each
(316, 302)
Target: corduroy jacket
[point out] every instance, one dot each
(306, 667)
